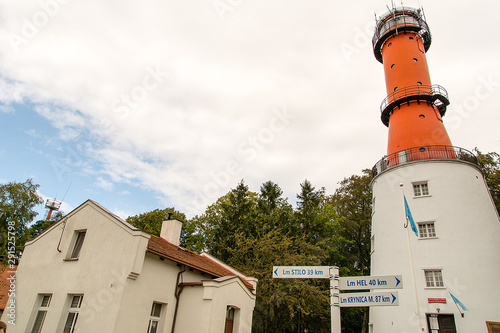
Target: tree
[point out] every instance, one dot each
(151, 221)
(232, 214)
(17, 203)
(41, 225)
(352, 200)
(490, 166)
(283, 305)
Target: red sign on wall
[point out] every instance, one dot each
(437, 300)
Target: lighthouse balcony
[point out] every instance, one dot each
(400, 20)
(423, 153)
(432, 95)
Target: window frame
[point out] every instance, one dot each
(76, 246)
(73, 313)
(418, 189)
(153, 318)
(437, 278)
(423, 229)
(42, 311)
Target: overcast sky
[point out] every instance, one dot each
(152, 104)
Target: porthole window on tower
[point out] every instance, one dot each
(411, 38)
(392, 66)
(415, 59)
(395, 88)
(389, 45)
(419, 83)
(420, 189)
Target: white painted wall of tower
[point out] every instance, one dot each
(466, 247)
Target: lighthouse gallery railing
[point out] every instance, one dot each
(423, 153)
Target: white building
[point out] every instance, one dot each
(457, 250)
(93, 272)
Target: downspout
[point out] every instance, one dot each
(60, 238)
(177, 293)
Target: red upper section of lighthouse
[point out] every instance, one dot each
(413, 107)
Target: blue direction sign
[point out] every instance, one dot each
(381, 298)
(301, 272)
(370, 282)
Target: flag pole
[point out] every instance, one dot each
(412, 269)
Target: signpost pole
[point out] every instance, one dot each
(334, 300)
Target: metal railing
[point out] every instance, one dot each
(400, 20)
(435, 94)
(423, 153)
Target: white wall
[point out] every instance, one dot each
(467, 246)
(119, 281)
(100, 273)
(211, 300)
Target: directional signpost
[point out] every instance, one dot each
(370, 282)
(369, 299)
(381, 298)
(301, 272)
(316, 272)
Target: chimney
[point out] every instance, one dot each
(171, 230)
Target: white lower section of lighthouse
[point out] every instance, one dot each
(457, 250)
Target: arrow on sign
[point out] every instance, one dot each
(393, 297)
(398, 281)
(276, 271)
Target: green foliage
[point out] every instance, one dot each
(17, 203)
(490, 166)
(151, 221)
(254, 232)
(40, 226)
(353, 200)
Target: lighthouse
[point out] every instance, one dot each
(451, 263)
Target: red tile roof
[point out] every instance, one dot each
(165, 249)
(5, 272)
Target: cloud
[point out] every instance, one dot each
(104, 184)
(7, 109)
(174, 98)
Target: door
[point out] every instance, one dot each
(441, 323)
(229, 320)
(446, 323)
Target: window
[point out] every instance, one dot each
(426, 230)
(420, 189)
(154, 319)
(42, 312)
(434, 278)
(80, 236)
(74, 310)
(228, 328)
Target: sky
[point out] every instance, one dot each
(150, 104)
